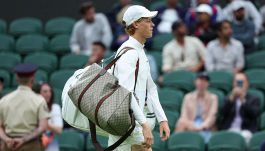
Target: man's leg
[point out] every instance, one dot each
(140, 148)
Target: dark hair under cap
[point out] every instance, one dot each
(176, 25)
(86, 6)
(1, 79)
(99, 43)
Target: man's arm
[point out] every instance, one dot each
(75, 48)
(167, 59)
(107, 34)
(211, 118)
(209, 58)
(125, 72)
(3, 135)
(240, 62)
(152, 96)
(251, 108)
(43, 124)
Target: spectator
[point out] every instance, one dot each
(183, 52)
(55, 123)
(262, 12)
(1, 87)
(167, 15)
(112, 15)
(225, 53)
(243, 29)
(120, 35)
(98, 53)
(203, 28)
(93, 27)
(241, 109)
(251, 13)
(191, 15)
(199, 109)
(23, 114)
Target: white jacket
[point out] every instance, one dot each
(125, 72)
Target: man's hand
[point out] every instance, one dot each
(18, 142)
(164, 130)
(148, 136)
(9, 142)
(236, 92)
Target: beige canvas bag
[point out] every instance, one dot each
(106, 104)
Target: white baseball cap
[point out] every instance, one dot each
(236, 5)
(135, 12)
(204, 8)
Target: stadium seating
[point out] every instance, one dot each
(157, 4)
(9, 60)
(31, 43)
(170, 99)
(158, 144)
(159, 41)
(60, 25)
(3, 26)
(101, 139)
(220, 95)
(186, 141)
(57, 96)
(172, 119)
(71, 141)
(60, 44)
(226, 141)
(255, 60)
(7, 90)
(25, 26)
(73, 61)
(261, 44)
(181, 79)
(45, 61)
(258, 94)
(256, 78)
(59, 78)
(6, 76)
(7, 43)
(256, 141)
(221, 80)
(158, 58)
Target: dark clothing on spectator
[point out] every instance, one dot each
(245, 32)
(249, 111)
(204, 35)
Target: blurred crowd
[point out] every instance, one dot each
(205, 37)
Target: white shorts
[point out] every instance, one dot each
(135, 138)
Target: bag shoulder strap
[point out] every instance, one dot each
(136, 69)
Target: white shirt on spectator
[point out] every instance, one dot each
(251, 13)
(177, 57)
(56, 116)
(224, 58)
(84, 34)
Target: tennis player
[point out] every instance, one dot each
(138, 24)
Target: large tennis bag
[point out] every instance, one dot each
(98, 95)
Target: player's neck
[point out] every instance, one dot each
(139, 38)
